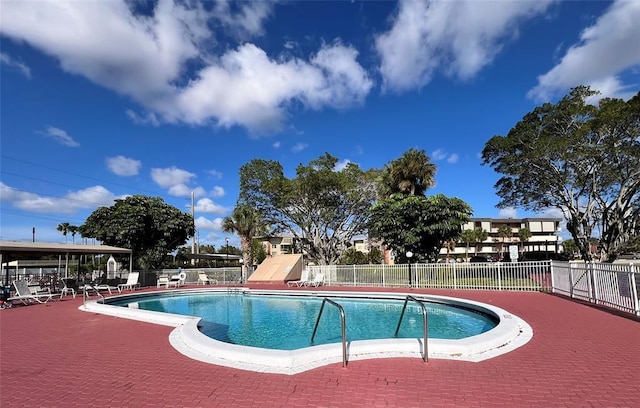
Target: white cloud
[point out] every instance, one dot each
(456, 37)
(59, 136)
(203, 223)
(606, 49)
(508, 212)
(123, 166)
(170, 63)
(217, 192)
(207, 206)
(88, 198)
(438, 154)
(341, 165)
(149, 119)
(250, 89)
(276, 145)
(171, 176)
(215, 174)
(453, 158)
(176, 181)
(12, 63)
(298, 147)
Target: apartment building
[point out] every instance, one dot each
(543, 238)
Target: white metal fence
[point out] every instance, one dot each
(612, 285)
(523, 276)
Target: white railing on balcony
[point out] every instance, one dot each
(612, 285)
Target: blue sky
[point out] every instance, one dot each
(104, 99)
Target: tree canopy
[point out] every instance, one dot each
(580, 158)
(147, 225)
(322, 207)
(418, 224)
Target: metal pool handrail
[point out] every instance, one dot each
(425, 356)
(84, 293)
(344, 326)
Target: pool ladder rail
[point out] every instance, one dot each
(425, 355)
(85, 292)
(344, 327)
(425, 352)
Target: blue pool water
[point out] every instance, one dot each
(287, 322)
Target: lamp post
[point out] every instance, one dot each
(242, 278)
(227, 239)
(409, 254)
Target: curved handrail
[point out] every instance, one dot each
(344, 331)
(425, 356)
(84, 293)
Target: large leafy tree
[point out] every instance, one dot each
(580, 158)
(147, 225)
(322, 207)
(247, 223)
(418, 224)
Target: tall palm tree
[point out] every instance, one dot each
(64, 228)
(524, 235)
(412, 174)
(73, 229)
(504, 232)
(480, 236)
(450, 245)
(467, 237)
(247, 223)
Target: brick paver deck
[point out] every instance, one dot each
(54, 355)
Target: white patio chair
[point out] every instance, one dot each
(132, 282)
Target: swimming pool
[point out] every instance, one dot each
(510, 332)
(287, 322)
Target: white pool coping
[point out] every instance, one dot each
(511, 333)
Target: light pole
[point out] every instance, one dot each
(227, 239)
(409, 254)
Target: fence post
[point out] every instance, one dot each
(634, 290)
(355, 283)
(571, 280)
(455, 277)
(499, 276)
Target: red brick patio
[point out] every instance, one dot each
(54, 355)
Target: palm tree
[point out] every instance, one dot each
(467, 237)
(64, 228)
(449, 245)
(412, 174)
(480, 236)
(504, 232)
(247, 223)
(73, 229)
(524, 235)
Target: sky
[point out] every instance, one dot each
(100, 100)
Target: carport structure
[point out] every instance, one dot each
(9, 248)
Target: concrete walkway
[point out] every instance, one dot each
(54, 355)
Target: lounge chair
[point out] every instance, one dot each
(304, 278)
(24, 294)
(202, 277)
(163, 281)
(177, 280)
(104, 285)
(132, 282)
(65, 289)
(316, 281)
